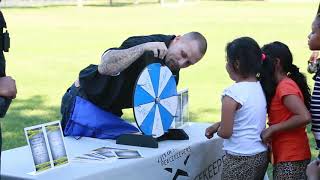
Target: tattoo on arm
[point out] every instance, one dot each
(115, 61)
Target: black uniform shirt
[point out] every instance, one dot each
(2, 60)
(114, 93)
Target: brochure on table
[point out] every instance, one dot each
(107, 154)
(182, 113)
(46, 143)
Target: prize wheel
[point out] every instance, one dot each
(155, 100)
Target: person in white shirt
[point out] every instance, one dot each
(243, 112)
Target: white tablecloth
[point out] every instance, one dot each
(197, 158)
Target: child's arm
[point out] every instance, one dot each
(313, 170)
(212, 129)
(313, 62)
(301, 117)
(229, 107)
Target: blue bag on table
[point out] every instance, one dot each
(91, 121)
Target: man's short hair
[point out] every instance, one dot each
(196, 36)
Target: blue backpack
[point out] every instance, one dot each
(91, 121)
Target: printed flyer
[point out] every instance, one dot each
(46, 145)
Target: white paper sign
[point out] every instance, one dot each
(46, 145)
(182, 113)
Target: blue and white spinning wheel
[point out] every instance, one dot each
(155, 100)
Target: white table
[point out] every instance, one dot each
(198, 157)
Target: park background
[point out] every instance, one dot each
(51, 43)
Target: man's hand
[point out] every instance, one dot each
(313, 170)
(8, 87)
(211, 130)
(159, 49)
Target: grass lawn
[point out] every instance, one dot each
(50, 45)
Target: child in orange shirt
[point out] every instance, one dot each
(288, 115)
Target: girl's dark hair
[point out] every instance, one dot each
(246, 52)
(278, 50)
(267, 78)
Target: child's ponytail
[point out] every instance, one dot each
(301, 81)
(278, 50)
(267, 79)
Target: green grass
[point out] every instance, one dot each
(50, 45)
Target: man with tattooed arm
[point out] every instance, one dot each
(110, 84)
